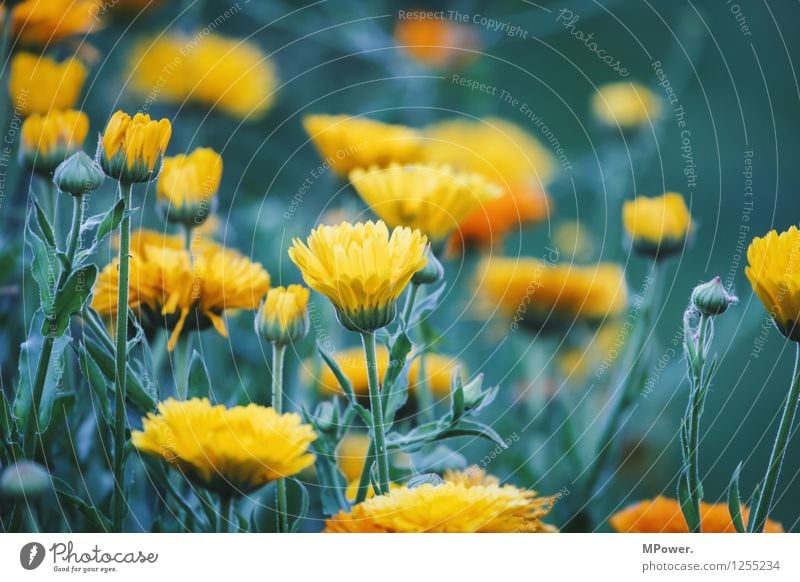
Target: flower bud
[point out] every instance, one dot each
(283, 317)
(78, 174)
(712, 298)
(431, 273)
(131, 149)
(24, 479)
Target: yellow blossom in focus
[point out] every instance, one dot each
(436, 42)
(283, 317)
(536, 294)
(229, 450)
(47, 140)
(433, 199)
(464, 503)
(774, 274)
(39, 84)
(361, 268)
(187, 185)
(663, 515)
(133, 147)
(625, 104)
(44, 22)
(346, 142)
(658, 226)
(351, 454)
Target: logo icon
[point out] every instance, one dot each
(31, 555)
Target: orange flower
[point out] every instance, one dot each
(42, 22)
(436, 42)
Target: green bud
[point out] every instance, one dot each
(24, 479)
(712, 298)
(431, 273)
(78, 174)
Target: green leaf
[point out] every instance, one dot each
(456, 394)
(429, 304)
(395, 380)
(199, 383)
(45, 268)
(346, 386)
(305, 502)
(469, 427)
(70, 300)
(7, 426)
(96, 380)
(44, 225)
(106, 223)
(97, 518)
(685, 500)
(734, 501)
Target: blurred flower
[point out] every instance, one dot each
(774, 272)
(468, 502)
(657, 227)
(430, 198)
(187, 186)
(360, 268)
(573, 240)
(24, 480)
(132, 148)
(436, 42)
(39, 84)
(283, 317)
(602, 348)
(346, 142)
(137, 5)
(538, 294)
(663, 515)
(438, 371)
(169, 283)
(47, 140)
(231, 74)
(625, 104)
(231, 451)
(507, 156)
(44, 22)
(351, 454)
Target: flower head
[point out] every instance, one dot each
(774, 271)
(625, 104)
(49, 139)
(468, 502)
(168, 284)
(40, 84)
(229, 450)
(187, 186)
(540, 294)
(40, 22)
(657, 227)
(283, 317)
(437, 43)
(663, 515)
(361, 268)
(432, 199)
(132, 148)
(346, 142)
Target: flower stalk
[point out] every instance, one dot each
(278, 356)
(376, 406)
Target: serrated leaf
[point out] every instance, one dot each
(70, 300)
(44, 268)
(44, 224)
(199, 383)
(735, 502)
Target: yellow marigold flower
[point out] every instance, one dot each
(773, 271)
(351, 454)
(231, 451)
(231, 74)
(187, 186)
(463, 503)
(438, 371)
(436, 42)
(657, 227)
(625, 104)
(167, 284)
(132, 148)
(663, 515)
(430, 198)
(283, 317)
(537, 294)
(40, 84)
(44, 22)
(47, 140)
(361, 269)
(346, 142)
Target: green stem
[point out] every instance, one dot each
(422, 393)
(363, 482)
(767, 496)
(411, 298)
(693, 414)
(378, 429)
(278, 356)
(224, 516)
(183, 351)
(121, 358)
(5, 41)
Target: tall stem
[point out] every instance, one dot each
(767, 496)
(183, 351)
(278, 355)
(363, 482)
(378, 430)
(696, 398)
(411, 298)
(5, 41)
(121, 358)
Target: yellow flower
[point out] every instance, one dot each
(187, 186)
(47, 140)
(168, 284)
(433, 199)
(230, 74)
(464, 503)
(283, 317)
(657, 227)
(437, 43)
(40, 84)
(663, 515)
(231, 451)
(625, 104)
(346, 142)
(351, 454)
(774, 272)
(132, 148)
(600, 351)
(539, 294)
(438, 371)
(361, 269)
(44, 22)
